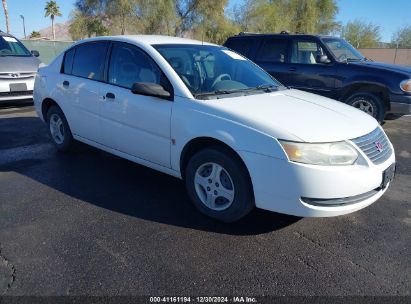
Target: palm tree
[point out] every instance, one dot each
(52, 10)
(6, 14)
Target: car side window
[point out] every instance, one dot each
(305, 52)
(68, 62)
(129, 64)
(272, 50)
(89, 60)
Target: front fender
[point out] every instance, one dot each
(188, 123)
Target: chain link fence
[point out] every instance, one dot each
(48, 49)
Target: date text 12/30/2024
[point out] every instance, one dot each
(234, 299)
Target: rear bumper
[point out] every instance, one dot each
(400, 104)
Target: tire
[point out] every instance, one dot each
(227, 195)
(368, 103)
(59, 129)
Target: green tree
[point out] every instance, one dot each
(305, 16)
(83, 26)
(158, 17)
(211, 23)
(35, 34)
(402, 37)
(361, 34)
(121, 14)
(199, 18)
(52, 10)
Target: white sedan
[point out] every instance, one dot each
(203, 113)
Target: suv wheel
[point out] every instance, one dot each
(368, 103)
(218, 185)
(59, 129)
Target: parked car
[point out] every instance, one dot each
(203, 113)
(18, 67)
(331, 67)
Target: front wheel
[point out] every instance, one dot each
(218, 184)
(59, 129)
(368, 103)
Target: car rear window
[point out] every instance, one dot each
(89, 60)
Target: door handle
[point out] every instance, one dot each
(292, 69)
(66, 83)
(110, 96)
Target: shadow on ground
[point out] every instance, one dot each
(98, 178)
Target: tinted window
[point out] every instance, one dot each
(305, 52)
(272, 50)
(241, 46)
(129, 65)
(68, 62)
(89, 60)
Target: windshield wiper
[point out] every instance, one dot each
(353, 59)
(263, 87)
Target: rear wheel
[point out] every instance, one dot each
(369, 103)
(218, 184)
(59, 130)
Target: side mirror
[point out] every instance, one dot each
(35, 53)
(150, 89)
(323, 59)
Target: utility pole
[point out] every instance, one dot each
(396, 50)
(24, 26)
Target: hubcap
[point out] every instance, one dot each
(214, 186)
(57, 129)
(365, 106)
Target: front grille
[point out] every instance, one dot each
(18, 93)
(17, 75)
(375, 145)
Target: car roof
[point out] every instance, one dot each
(147, 39)
(5, 34)
(279, 35)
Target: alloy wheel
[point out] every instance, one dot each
(214, 186)
(57, 128)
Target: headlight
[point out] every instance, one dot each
(406, 85)
(326, 154)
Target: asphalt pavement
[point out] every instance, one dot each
(88, 223)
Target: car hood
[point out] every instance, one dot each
(384, 66)
(12, 64)
(296, 115)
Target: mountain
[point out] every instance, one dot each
(62, 31)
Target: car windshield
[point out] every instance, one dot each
(342, 50)
(10, 46)
(209, 71)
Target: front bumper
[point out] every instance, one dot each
(400, 104)
(7, 95)
(283, 186)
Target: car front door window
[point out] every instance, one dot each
(129, 65)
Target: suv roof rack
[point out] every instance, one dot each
(247, 33)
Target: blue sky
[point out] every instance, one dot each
(390, 15)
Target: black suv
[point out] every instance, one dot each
(331, 67)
